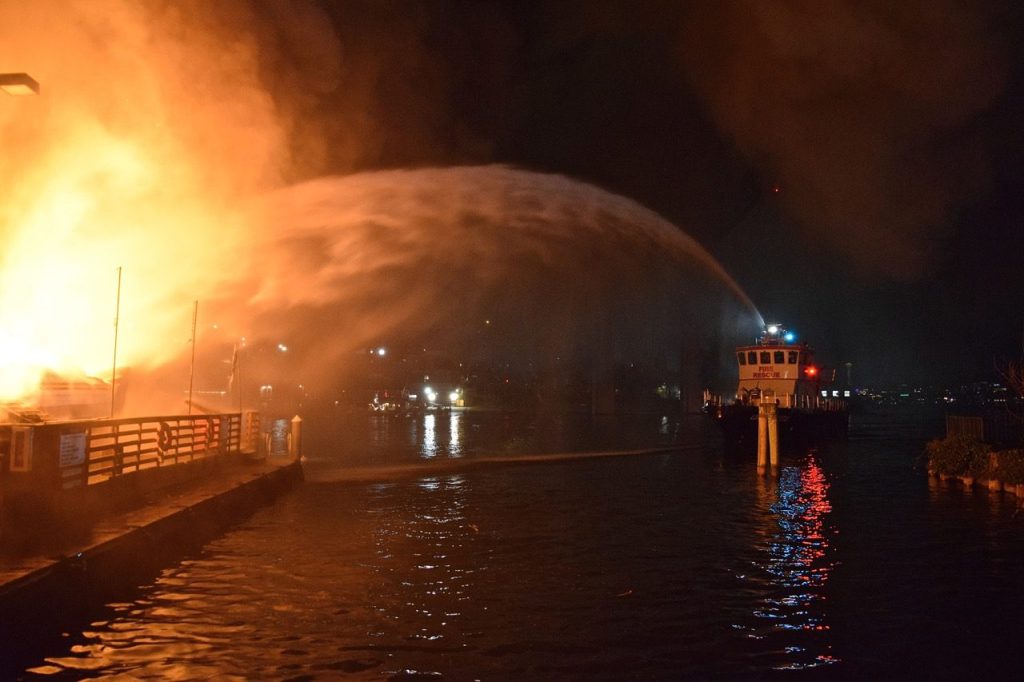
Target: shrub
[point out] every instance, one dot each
(1011, 466)
(958, 456)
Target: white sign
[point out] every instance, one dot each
(72, 449)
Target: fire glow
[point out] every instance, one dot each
(118, 163)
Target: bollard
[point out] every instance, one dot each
(296, 438)
(762, 437)
(772, 413)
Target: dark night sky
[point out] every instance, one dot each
(891, 130)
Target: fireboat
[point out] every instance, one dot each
(778, 370)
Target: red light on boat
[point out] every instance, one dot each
(811, 371)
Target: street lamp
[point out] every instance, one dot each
(18, 84)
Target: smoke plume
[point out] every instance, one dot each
(863, 113)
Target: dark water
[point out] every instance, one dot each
(850, 563)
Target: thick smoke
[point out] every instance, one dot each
(861, 112)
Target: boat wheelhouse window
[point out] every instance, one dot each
(780, 357)
(792, 357)
(752, 357)
(742, 357)
(766, 358)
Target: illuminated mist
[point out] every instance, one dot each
(154, 148)
(550, 264)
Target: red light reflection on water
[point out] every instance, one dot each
(797, 567)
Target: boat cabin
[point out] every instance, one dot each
(777, 368)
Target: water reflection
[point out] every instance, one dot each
(279, 434)
(429, 437)
(379, 438)
(428, 443)
(797, 565)
(426, 562)
(454, 431)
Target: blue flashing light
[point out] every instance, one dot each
(790, 337)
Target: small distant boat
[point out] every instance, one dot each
(777, 369)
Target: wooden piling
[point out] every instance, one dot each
(772, 412)
(762, 437)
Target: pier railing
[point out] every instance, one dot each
(785, 400)
(75, 454)
(57, 474)
(116, 448)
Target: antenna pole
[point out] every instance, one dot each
(192, 368)
(117, 319)
(238, 377)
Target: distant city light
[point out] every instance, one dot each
(283, 348)
(382, 351)
(453, 396)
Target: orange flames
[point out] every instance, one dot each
(134, 155)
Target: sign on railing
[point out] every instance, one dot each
(95, 451)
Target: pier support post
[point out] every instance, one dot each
(762, 438)
(296, 438)
(767, 435)
(772, 411)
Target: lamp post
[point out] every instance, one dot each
(18, 84)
